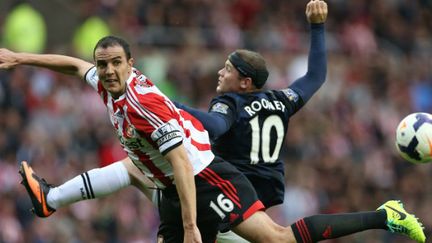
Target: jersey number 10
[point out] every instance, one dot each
(261, 136)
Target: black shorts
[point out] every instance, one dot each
(224, 199)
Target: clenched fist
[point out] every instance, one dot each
(316, 11)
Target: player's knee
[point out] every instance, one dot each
(259, 227)
(278, 234)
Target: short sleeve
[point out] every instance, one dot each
(92, 78)
(155, 118)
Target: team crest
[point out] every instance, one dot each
(130, 131)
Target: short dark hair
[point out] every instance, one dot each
(250, 64)
(109, 41)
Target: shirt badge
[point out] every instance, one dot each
(220, 107)
(291, 94)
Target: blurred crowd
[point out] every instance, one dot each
(339, 152)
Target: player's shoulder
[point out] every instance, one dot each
(287, 95)
(227, 98)
(238, 97)
(141, 91)
(141, 87)
(230, 95)
(140, 81)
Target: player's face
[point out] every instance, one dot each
(113, 69)
(229, 79)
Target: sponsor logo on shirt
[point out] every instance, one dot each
(135, 143)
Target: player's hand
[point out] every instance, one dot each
(192, 235)
(316, 11)
(8, 59)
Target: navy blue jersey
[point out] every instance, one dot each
(254, 141)
(248, 129)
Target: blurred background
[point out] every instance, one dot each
(339, 152)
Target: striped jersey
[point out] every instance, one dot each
(148, 126)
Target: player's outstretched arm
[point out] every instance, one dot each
(307, 85)
(215, 123)
(59, 63)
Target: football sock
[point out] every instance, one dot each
(329, 226)
(94, 183)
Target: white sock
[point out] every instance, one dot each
(92, 184)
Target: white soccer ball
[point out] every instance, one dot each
(414, 138)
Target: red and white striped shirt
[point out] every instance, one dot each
(149, 125)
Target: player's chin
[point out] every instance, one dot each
(219, 89)
(114, 90)
(110, 84)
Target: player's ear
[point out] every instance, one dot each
(131, 61)
(246, 83)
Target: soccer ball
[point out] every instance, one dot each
(414, 138)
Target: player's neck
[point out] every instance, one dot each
(252, 90)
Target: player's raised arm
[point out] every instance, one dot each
(307, 85)
(59, 63)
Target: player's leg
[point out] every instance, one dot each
(224, 197)
(139, 180)
(390, 216)
(259, 227)
(92, 184)
(230, 237)
(171, 223)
